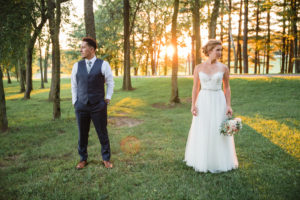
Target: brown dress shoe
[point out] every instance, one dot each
(107, 164)
(81, 164)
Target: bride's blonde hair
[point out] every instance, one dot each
(210, 45)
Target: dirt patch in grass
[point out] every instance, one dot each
(124, 121)
(186, 100)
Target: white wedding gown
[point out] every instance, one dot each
(206, 149)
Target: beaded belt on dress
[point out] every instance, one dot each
(211, 89)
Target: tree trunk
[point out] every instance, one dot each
(3, 118)
(229, 39)
(89, 20)
(46, 62)
(41, 65)
(222, 27)
(174, 94)
(157, 59)
(56, 92)
(16, 70)
(239, 46)
(8, 76)
(193, 53)
(21, 64)
(116, 68)
(146, 64)
(287, 53)
(213, 19)
(30, 47)
(166, 65)
(296, 54)
(126, 78)
(283, 52)
(291, 55)
(268, 41)
(245, 38)
(256, 59)
(196, 30)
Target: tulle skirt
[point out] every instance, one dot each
(206, 149)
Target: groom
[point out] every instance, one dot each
(89, 100)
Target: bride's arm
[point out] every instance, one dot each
(227, 92)
(196, 87)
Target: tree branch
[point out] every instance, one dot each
(134, 15)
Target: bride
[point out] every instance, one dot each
(206, 149)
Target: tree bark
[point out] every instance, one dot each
(213, 20)
(3, 117)
(30, 46)
(296, 55)
(193, 60)
(21, 63)
(166, 65)
(239, 46)
(56, 92)
(222, 27)
(46, 62)
(268, 41)
(256, 59)
(229, 38)
(41, 65)
(174, 94)
(8, 76)
(245, 38)
(196, 31)
(283, 49)
(89, 19)
(126, 78)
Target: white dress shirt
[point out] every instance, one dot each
(107, 73)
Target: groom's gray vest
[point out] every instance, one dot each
(90, 86)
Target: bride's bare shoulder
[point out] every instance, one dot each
(224, 67)
(199, 67)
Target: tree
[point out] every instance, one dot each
(239, 46)
(36, 31)
(46, 60)
(54, 27)
(256, 59)
(229, 35)
(269, 5)
(41, 63)
(89, 19)
(196, 31)
(294, 19)
(174, 94)
(3, 118)
(245, 38)
(283, 47)
(126, 78)
(127, 31)
(213, 20)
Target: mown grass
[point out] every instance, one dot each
(39, 154)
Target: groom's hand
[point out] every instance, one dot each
(107, 101)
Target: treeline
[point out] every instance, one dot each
(253, 33)
(132, 35)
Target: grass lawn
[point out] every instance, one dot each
(148, 137)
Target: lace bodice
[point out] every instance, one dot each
(211, 82)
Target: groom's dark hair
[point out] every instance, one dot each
(91, 42)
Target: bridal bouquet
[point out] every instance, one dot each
(231, 126)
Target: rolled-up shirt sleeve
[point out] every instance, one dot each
(109, 80)
(74, 83)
